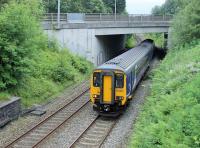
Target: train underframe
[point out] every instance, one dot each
(110, 110)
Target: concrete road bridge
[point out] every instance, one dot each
(99, 37)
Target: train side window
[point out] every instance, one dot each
(119, 81)
(96, 79)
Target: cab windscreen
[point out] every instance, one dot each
(119, 81)
(96, 79)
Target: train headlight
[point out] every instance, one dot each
(119, 98)
(95, 96)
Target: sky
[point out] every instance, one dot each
(141, 6)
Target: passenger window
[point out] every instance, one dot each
(119, 81)
(96, 79)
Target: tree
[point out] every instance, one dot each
(121, 5)
(19, 37)
(94, 6)
(76, 6)
(170, 7)
(186, 24)
(2, 2)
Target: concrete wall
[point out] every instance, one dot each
(84, 42)
(9, 110)
(98, 43)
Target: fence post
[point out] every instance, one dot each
(51, 15)
(84, 17)
(100, 17)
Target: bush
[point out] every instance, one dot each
(186, 24)
(157, 37)
(19, 29)
(63, 72)
(81, 64)
(130, 41)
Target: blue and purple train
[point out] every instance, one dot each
(113, 83)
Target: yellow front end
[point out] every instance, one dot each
(108, 89)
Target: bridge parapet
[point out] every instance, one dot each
(101, 17)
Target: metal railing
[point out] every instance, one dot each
(94, 17)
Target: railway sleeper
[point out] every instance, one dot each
(88, 143)
(97, 132)
(92, 139)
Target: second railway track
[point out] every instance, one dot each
(95, 134)
(41, 131)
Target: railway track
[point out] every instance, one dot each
(40, 132)
(95, 134)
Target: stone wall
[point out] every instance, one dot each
(9, 110)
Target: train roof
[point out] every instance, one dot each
(129, 58)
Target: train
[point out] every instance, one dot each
(113, 83)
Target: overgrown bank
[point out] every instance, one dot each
(33, 67)
(170, 116)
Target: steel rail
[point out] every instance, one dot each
(109, 131)
(90, 125)
(48, 118)
(79, 137)
(51, 132)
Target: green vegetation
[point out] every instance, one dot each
(4, 96)
(2, 2)
(170, 7)
(85, 6)
(186, 24)
(19, 34)
(121, 5)
(31, 66)
(130, 41)
(170, 116)
(157, 37)
(50, 73)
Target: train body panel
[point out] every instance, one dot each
(113, 83)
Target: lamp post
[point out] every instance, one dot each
(58, 15)
(115, 10)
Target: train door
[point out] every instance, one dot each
(108, 88)
(134, 77)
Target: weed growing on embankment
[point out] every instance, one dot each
(171, 115)
(31, 66)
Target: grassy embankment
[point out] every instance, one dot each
(33, 67)
(51, 72)
(130, 41)
(157, 37)
(171, 115)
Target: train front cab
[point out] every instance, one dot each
(108, 92)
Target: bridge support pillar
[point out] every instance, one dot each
(165, 40)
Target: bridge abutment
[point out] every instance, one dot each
(84, 42)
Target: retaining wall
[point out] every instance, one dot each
(9, 110)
